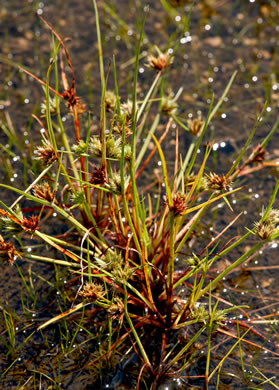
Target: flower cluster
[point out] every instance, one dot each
(162, 61)
(218, 183)
(267, 227)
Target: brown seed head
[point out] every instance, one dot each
(218, 183)
(195, 126)
(71, 97)
(43, 191)
(46, 153)
(110, 100)
(162, 61)
(179, 204)
(117, 307)
(98, 176)
(31, 224)
(264, 230)
(258, 155)
(92, 291)
(73, 100)
(118, 128)
(127, 109)
(8, 251)
(169, 105)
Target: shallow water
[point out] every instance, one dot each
(223, 36)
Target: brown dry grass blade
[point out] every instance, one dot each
(39, 80)
(246, 341)
(64, 47)
(62, 315)
(222, 232)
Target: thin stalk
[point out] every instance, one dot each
(137, 205)
(171, 256)
(103, 84)
(185, 162)
(100, 50)
(185, 348)
(42, 174)
(147, 141)
(235, 164)
(48, 115)
(123, 192)
(142, 350)
(49, 260)
(228, 353)
(239, 261)
(145, 101)
(270, 134)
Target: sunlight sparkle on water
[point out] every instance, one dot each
(185, 39)
(215, 146)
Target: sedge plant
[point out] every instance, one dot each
(123, 258)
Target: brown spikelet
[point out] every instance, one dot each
(195, 126)
(258, 155)
(218, 183)
(264, 230)
(31, 224)
(98, 176)
(179, 204)
(70, 96)
(46, 153)
(162, 61)
(8, 251)
(92, 291)
(43, 191)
